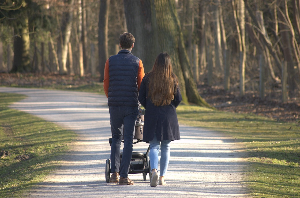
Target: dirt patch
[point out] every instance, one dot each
(23, 157)
(8, 130)
(271, 106)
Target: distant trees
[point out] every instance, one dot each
(239, 45)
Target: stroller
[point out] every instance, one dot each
(139, 162)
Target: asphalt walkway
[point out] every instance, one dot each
(202, 164)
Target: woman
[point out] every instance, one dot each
(159, 94)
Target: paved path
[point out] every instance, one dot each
(202, 164)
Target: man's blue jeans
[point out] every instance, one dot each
(122, 118)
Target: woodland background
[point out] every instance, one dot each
(240, 55)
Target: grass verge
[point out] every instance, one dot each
(273, 148)
(29, 147)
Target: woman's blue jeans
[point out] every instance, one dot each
(165, 155)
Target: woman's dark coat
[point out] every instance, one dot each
(161, 120)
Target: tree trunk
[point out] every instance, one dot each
(36, 60)
(50, 57)
(79, 61)
(103, 36)
(217, 37)
(196, 63)
(264, 49)
(54, 54)
(159, 21)
(261, 75)
(242, 46)
(84, 37)
(43, 65)
(284, 82)
(66, 33)
(2, 69)
(225, 53)
(22, 48)
(202, 55)
(9, 55)
(93, 60)
(297, 15)
(141, 22)
(190, 28)
(209, 57)
(239, 15)
(287, 48)
(71, 65)
(81, 67)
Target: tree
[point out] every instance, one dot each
(63, 41)
(239, 16)
(103, 36)
(16, 15)
(141, 22)
(162, 25)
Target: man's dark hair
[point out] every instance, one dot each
(126, 40)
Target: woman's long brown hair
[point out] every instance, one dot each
(162, 81)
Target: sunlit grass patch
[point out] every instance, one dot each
(28, 147)
(273, 147)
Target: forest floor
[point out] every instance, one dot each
(270, 106)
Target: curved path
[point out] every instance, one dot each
(202, 164)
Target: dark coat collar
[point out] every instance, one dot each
(124, 51)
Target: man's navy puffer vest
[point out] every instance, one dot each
(123, 71)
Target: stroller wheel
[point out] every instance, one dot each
(107, 170)
(145, 176)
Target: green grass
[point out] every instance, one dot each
(29, 147)
(273, 148)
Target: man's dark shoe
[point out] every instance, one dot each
(125, 181)
(114, 178)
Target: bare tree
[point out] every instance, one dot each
(239, 16)
(66, 27)
(103, 36)
(217, 36)
(84, 36)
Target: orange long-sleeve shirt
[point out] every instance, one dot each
(141, 74)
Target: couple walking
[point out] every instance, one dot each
(125, 85)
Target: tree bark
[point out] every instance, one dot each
(9, 55)
(103, 36)
(297, 15)
(70, 53)
(54, 54)
(239, 15)
(225, 53)
(22, 48)
(141, 22)
(217, 36)
(2, 69)
(287, 48)
(84, 37)
(66, 33)
(202, 55)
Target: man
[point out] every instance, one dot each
(123, 75)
